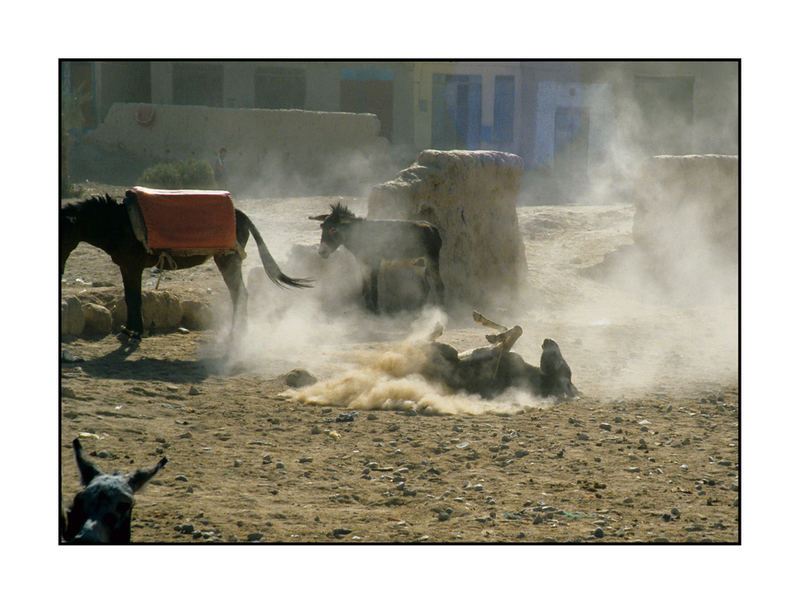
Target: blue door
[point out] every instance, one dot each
(456, 117)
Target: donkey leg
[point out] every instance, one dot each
(231, 268)
(132, 281)
(432, 275)
(371, 290)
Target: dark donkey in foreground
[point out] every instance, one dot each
(373, 242)
(101, 512)
(104, 223)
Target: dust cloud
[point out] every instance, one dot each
(634, 274)
(390, 378)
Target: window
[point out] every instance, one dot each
(504, 109)
(197, 84)
(280, 88)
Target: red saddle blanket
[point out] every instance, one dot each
(184, 221)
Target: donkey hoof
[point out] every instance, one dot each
(131, 334)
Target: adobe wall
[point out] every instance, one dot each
(256, 139)
(471, 197)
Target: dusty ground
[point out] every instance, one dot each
(650, 452)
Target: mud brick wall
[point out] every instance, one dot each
(257, 140)
(471, 197)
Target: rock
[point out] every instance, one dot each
(193, 391)
(69, 358)
(340, 532)
(181, 478)
(605, 426)
(598, 532)
(196, 315)
(254, 536)
(160, 309)
(72, 318)
(306, 459)
(299, 378)
(443, 516)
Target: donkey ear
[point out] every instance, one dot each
(137, 479)
(87, 469)
(319, 217)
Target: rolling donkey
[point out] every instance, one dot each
(101, 512)
(375, 242)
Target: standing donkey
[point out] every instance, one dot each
(374, 242)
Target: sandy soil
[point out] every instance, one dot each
(649, 453)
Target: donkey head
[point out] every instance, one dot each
(333, 226)
(101, 512)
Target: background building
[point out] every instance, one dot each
(565, 119)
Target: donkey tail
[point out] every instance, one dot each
(270, 266)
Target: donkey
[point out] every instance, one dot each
(105, 223)
(374, 242)
(101, 512)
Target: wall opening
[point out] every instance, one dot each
(280, 88)
(456, 118)
(197, 84)
(504, 109)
